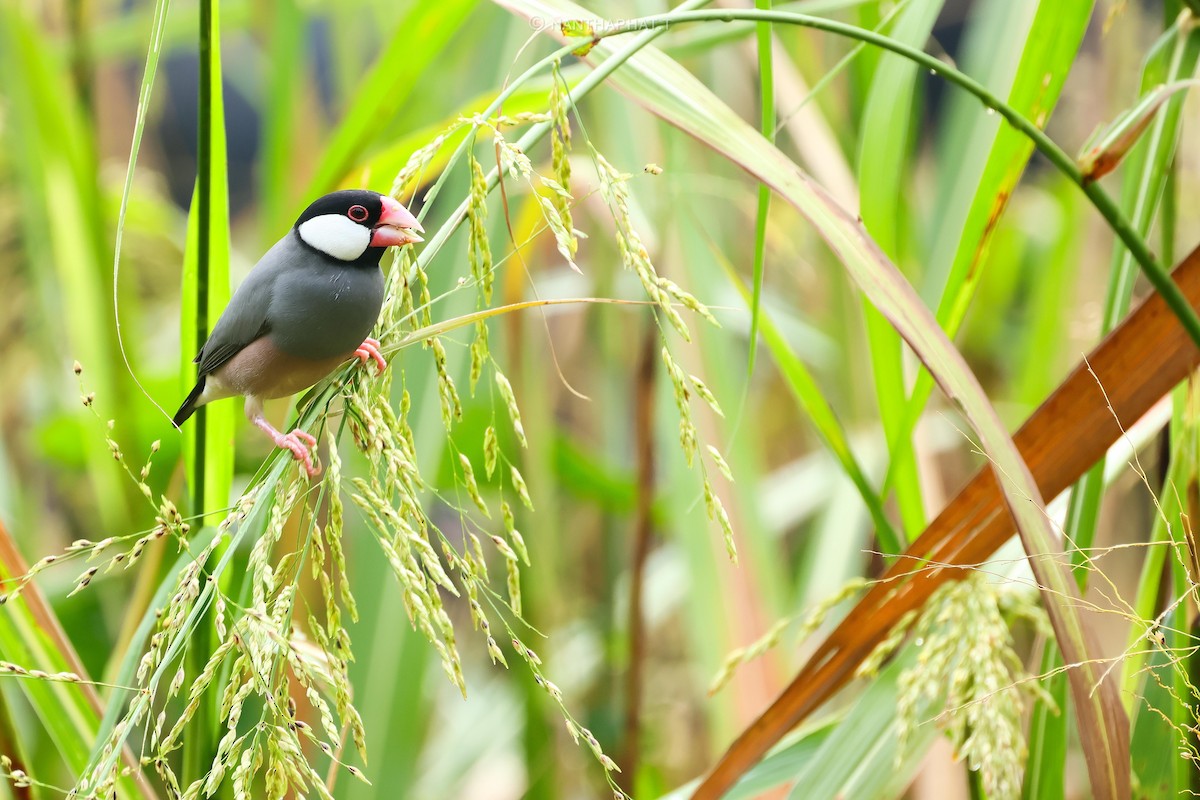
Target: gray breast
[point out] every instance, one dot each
(321, 311)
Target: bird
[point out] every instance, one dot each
(305, 308)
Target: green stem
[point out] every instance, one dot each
(196, 747)
(204, 227)
(1151, 268)
(975, 784)
(82, 64)
(766, 76)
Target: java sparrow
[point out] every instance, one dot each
(305, 308)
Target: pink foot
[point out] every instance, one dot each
(370, 351)
(298, 442)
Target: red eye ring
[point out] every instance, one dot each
(358, 213)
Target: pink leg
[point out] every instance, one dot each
(297, 441)
(370, 351)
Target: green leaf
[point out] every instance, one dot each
(851, 755)
(286, 35)
(766, 80)
(1154, 734)
(813, 403)
(1047, 762)
(883, 153)
(985, 157)
(862, 757)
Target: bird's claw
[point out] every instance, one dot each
(369, 351)
(299, 443)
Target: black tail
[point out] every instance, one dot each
(189, 405)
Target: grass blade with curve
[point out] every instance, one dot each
(811, 399)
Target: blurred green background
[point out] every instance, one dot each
(320, 95)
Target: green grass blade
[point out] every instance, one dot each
(153, 52)
(251, 527)
(862, 758)
(777, 769)
(781, 767)
(71, 723)
(853, 755)
(883, 153)
(766, 90)
(419, 37)
(1154, 731)
(279, 187)
(973, 198)
(994, 39)
(1046, 767)
(1167, 528)
(812, 401)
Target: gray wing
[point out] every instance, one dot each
(246, 318)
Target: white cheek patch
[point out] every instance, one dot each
(336, 235)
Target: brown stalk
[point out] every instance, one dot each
(1138, 363)
(643, 431)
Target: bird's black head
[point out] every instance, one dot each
(356, 225)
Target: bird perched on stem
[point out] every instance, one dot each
(305, 308)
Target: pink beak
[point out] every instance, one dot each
(397, 227)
